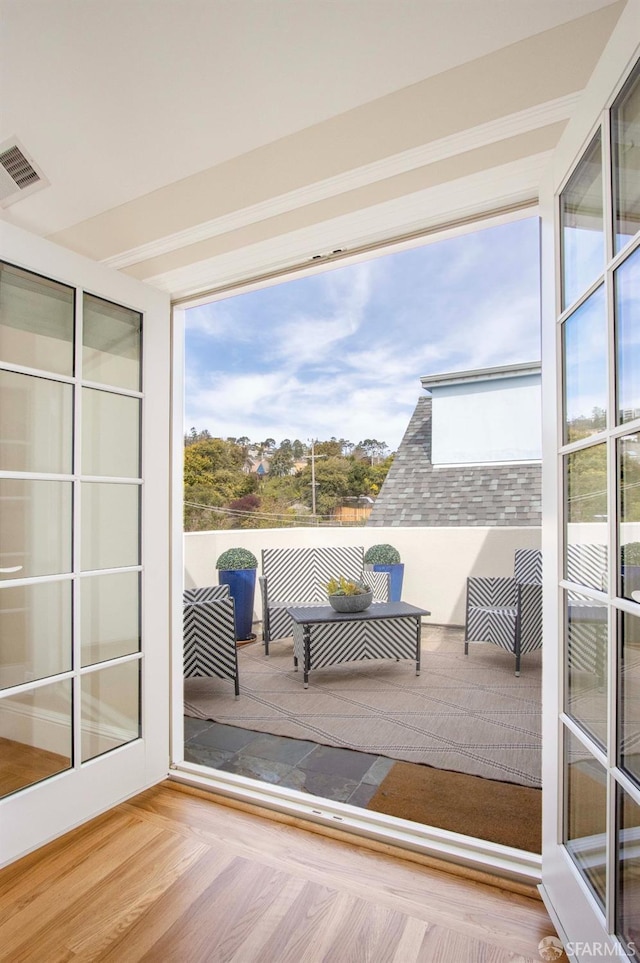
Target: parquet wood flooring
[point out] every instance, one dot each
(174, 877)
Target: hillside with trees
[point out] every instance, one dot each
(236, 483)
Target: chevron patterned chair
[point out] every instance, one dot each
(210, 635)
(298, 576)
(507, 611)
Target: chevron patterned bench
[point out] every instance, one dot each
(209, 634)
(293, 577)
(386, 630)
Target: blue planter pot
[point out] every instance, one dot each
(242, 587)
(630, 580)
(396, 573)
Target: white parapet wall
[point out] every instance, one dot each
(437, 560)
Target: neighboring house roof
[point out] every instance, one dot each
(416, 493)
(256, 466)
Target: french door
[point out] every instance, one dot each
(591, 533)
(84, 539)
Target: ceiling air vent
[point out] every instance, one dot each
(19, 176)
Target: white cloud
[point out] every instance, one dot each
(308, 337)
(342, 353)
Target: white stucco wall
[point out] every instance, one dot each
(491, 421)
(437, 560)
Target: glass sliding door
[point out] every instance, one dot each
(77, 674)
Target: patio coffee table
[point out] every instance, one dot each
(386, 630)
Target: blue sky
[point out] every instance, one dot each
(341, 353)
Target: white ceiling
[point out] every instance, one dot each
(117, 99)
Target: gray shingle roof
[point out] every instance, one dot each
(416, 493)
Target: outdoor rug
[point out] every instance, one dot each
(484, 808)
(468, 714)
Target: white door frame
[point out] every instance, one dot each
(568, 899)
(45, 810)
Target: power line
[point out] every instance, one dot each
(237, 512)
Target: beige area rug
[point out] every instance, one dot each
(467, 714)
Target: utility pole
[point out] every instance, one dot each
(313, 457)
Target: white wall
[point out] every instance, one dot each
(491, 421)
(437, 560)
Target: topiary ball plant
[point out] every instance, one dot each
(630, 553)
(236, 558)
(382, 554)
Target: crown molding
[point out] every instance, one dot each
(542, 115)
(473, 196)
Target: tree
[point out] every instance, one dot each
(245, 507)
(281, 462)
(298, 449)
(373, 448)
(216, 484)
(195, 436)
(332, 448)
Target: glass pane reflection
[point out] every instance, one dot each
(110, 434)
(110, 532)
(110, 708)
(628, 875)
(586, 662)
(626, 160)
(629, 684)
(582, 225)
(111, 344)
(586, 814)
(36, 321)
(35, 424)
(35, 631)
(586, 513)
(35, 521)
(627, 288)
(584, 337)
(110, 616)
(629, 516)
(31, 748)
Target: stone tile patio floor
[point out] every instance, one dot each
(343, 775)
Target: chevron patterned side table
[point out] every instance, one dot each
(386, 630)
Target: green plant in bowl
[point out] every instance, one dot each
(346, 595)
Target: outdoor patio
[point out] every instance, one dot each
(467, 714)
(457, 747)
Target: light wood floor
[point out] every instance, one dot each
(172, 877)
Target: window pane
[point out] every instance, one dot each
(584, 337)
(629, 668)
(586, 814)
(35, 735)
(627, 288)
(110, 535)
(35, 521)
(36, 321)
(586, 514)
(35, 424)
(582, 226)
(586, 661)
(628, 877)
(626, 160)
(110, 708)
(629, 516)
(111, 344)
(35, 632)
(110, 434)
(110, 616)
